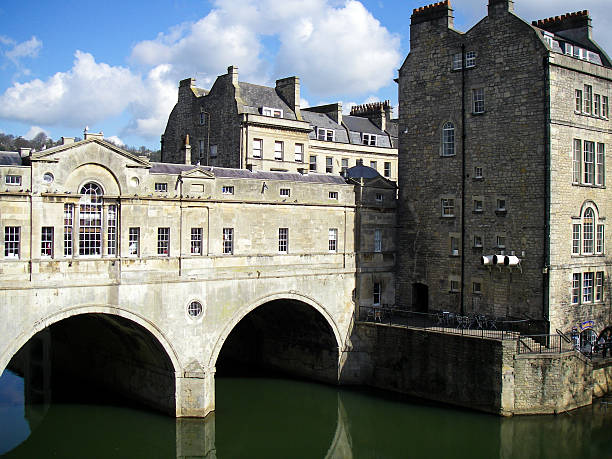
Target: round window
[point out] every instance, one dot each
(48, 177)
(194, 309)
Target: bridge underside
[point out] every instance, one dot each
(284, 336)
(96, 357)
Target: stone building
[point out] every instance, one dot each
(247, 126)
(504, 137)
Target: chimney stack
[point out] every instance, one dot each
(289, 90)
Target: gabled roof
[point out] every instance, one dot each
(255, 97)
(323, 121)
(360, 124)
(10, 158)
(42, 155)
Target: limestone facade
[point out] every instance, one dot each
(490, 118)
(243, 125)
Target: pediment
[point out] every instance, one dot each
(198, 173)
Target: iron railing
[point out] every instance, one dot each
(544, 344)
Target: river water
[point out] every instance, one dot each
(261, 417)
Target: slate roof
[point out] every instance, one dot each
(255, 97)
(323, 121)
(10, 158)
(361, 171)
(360, 124)
(223, 172)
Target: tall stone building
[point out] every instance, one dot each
(504, 134)
(247, 126)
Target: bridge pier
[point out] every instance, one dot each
(195, 393)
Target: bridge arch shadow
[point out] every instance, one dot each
(285, 333)
(96, 353)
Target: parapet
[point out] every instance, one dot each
(440, 10)
(568, 21)
(371, 109)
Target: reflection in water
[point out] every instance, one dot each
(262, 417)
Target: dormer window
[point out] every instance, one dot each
(548, 37)
(569, 49)
(273, 112)
(326, 134)
(368, 139)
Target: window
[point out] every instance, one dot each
(194, 309)
(588, 99)
(478, 205)
(577, 161)
(576, 239)
(68, 227)
(448, 207)
(329, 164)
(46, 242)
(134, 242)
(196, 241)
(477, 241)
(202, 118)
(285, 192)
(213, 151)
(454, 285)
(257, 148)
(273, 112)
(161, 187)
(283, 240)
(387, 171)
(478, 100)
(501, 242)
(604, 107)
(589, 162)
(587, 287)
(576, 281)
(380, 197)
(326, 134)
(599, 241)
(333, 240)
(456, 64)
(312, 166)
(376, 293)
(454, 246)
(599, 277)
(228, 240)
(587, 231)
(597, 105)
(599, 164)
(470, 59)
(227, 189)
(476, 288)
(12, 180)
(373, 165)
(478, 172)
(578, 100)
(501, 205)
(448, 139)
(299, 153)
(12, 241)
(368, 139)
(333, 195)
(90, 220)
(278, 150)
(111, 230)
(377, 240)
(201, 150)
(163, 241)
(344, 165)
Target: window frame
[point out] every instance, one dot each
(163, 241)
(448, 207)
(279, 150)
(134, 241)
(387, 169)
(285, 192)
(576, 288)
(578, 98)
(332, 239)
(283, 240)
(376, 293)
(588, 99)
(470, 59)
(333, 195)
(369, 139)
(12, 242)
(68, 237)
(257, 148)
(272, 112)
(228, 241)
(478, 101)
(161, 187)
(112, 224)
(448, 139)
(196, 241)
(299, 153)
(227, 189)
(329, 165)
(312, 163)
(12, 180)
(46, 241)
(327, 135)
(377, 240)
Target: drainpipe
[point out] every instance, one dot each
(547, 153)
(463, 245)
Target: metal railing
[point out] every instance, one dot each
(477, 325)
(543, 344)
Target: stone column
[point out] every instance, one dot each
(195, 392)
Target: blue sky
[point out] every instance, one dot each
(115, 65)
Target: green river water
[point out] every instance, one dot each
(280, 418)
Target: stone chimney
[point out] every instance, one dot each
(232, 71)
(289, 90)
(334, 111)
(574, 26)
(499, 7)
(187, 151)
(428, 20)
(185, 91)
(67, 140)
(377, 112)
(23, 152)
(93, 135)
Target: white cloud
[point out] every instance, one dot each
(116, 140)
(28, 48)
(34, 131)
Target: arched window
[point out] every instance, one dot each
(588, 233)
(448, 139)
(90, 220)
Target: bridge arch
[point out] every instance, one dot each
(290, 295)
